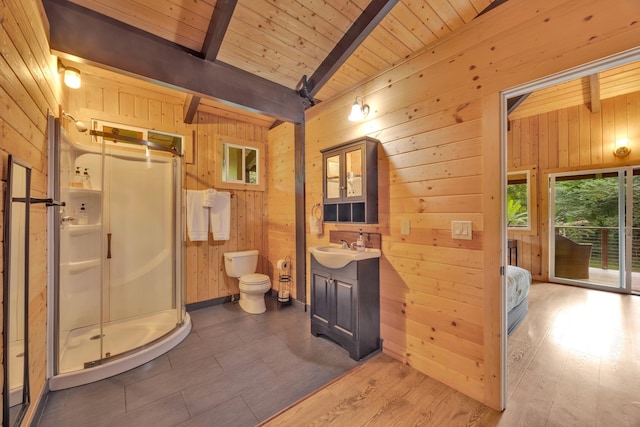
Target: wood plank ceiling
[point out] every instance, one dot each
(587, 91)
(246, 58)
(336, 43)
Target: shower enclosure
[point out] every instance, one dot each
(118, 301)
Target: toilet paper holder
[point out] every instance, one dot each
(284, 281)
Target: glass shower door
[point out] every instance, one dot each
(119, 253)
(139, 303)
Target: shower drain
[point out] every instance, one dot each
(96, 337)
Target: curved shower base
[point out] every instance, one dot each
(118, 365)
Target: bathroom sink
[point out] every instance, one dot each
(334, 256)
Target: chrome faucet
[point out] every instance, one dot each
(345, 244)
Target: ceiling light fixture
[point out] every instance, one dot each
(622, 147)
(70, 76)
(359, 110)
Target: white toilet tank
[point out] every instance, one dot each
(237, 264)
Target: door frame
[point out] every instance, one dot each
(584, 70)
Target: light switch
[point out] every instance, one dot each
(405, 227)
(461, 230)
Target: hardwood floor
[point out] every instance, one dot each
(574, 361)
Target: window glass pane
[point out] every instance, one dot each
(354, 173)
(333, 177)
(123, 132)
(233, 163)
(518, 200)
(251, 165)
(166, 140)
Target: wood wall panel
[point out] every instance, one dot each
(281, 226)
(437, 116)
(206, 278)
(29, 90)
(573, 139)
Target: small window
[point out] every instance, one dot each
(164, 139)
(239, 164)
(518, 200)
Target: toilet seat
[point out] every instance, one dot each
(254, 279)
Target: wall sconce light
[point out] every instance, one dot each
(70, 76)
(622, 147)
(359, 110)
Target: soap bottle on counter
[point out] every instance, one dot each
(83, 216)
(360, 242)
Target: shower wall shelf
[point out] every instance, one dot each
(79, 230)
(79, 266)
(84, 191)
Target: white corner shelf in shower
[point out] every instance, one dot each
(79, 266)
(84, 191)
(79, 230)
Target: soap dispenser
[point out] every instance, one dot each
(360, 242)
(83, 216)
(77, 179)
(86, 180)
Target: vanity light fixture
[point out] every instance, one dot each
(70, 76)
(622, 147)
(359, 110)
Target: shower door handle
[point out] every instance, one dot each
(108, 245)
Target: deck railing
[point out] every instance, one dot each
(604, 244)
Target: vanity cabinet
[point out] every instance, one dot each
(345, 305)
(350, 182)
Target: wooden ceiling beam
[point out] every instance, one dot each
(492, 5)
(361, 28)
(82, 35)
(594, 89)
(190, 108)
(220, 18)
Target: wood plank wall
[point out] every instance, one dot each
(437, 116)
(281, 200)
(206, 278)
(29, 89)
(566, 140)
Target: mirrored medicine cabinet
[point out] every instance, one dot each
(350, 182)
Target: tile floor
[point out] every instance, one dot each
(234, 369)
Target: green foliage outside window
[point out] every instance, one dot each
(517, 210)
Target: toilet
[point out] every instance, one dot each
(253, 286)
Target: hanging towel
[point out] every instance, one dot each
(315, 222)
(197, 217)
(208, 197)
(220, 216)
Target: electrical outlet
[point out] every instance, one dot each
(461, 230)
(405, 227)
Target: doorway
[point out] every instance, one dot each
(560, 154)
